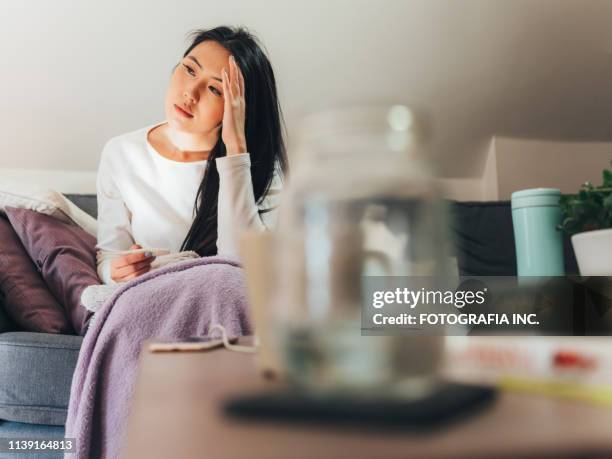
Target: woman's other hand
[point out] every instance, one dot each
(234, 110)
(130, 266)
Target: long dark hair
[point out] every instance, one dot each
(264, 131)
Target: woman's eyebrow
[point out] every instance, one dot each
(196, 61)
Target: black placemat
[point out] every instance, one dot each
(447, 403)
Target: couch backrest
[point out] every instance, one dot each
(484, 239)
(87, 202)
(482, 232)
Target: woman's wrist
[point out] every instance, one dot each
(232, 162)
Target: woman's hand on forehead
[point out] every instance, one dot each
(234, 110)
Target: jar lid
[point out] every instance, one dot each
(535, 197)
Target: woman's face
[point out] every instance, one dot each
(194, 101)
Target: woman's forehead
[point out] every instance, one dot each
(210, 55)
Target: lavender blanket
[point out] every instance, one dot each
(176, 301)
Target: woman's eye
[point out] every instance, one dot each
(189, 70)
(215, 90)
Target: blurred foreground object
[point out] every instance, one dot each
(578, 368)
(361, 202)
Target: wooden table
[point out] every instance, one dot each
(176, 413)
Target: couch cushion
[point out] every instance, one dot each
(86, 202)
(35, 376)
(27, 299)
(65, 255)
(48, 202)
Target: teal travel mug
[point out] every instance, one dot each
(539, 245)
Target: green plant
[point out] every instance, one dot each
(589, 209)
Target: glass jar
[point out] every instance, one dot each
(361, 201)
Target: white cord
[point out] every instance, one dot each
(230, 346)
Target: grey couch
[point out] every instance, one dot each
(36, 372)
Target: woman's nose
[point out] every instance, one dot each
(190, 96)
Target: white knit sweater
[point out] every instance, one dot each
(147, 199)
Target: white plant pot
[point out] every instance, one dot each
(594, 252)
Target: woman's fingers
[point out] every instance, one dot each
(240, 79)
(227, 88)
(232, 72)
(126, 270)
(235, 77)
(233, 83)
(130, 259)
(136, 274)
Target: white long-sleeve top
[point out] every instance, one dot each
(147, 199)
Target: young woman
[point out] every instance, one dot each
(211, 170)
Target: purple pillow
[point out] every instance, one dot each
(28, 301)
(65, 255)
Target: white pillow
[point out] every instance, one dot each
(48, 202)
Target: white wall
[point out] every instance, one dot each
(563, 165)
(76, 73)
(516, 164)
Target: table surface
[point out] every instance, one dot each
(176, 412)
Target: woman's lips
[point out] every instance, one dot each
(182, 112)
